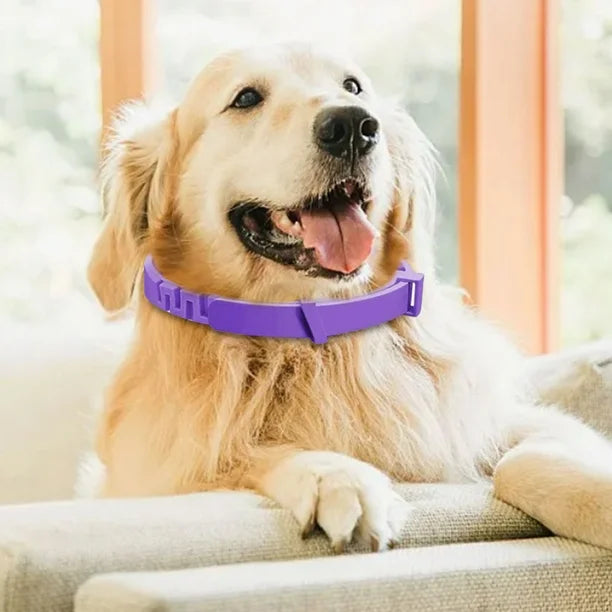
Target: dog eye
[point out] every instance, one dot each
(352, 85)
(247, 98)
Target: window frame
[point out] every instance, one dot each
(511, 166)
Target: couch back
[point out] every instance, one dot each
(51, 385)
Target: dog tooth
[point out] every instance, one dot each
(281, 220)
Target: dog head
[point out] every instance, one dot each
(281, 175)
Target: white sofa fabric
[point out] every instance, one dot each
(51, 384)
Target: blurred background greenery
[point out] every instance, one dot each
(50, 123)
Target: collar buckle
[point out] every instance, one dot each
(414, 284)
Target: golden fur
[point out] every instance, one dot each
(426, 399)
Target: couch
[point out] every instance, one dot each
(462, 549)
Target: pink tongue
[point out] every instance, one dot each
(342, 236)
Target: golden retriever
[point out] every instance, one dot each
(232, 194)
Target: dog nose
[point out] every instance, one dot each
(346, 130)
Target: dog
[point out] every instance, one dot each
(282, 176)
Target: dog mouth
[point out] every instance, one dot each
(328, 235)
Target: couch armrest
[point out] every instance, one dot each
(48, 549)
(544, 574)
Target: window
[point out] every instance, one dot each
(586, 306)
(49, 126)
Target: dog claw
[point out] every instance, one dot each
(308, 527)
(340, 546)
(374, 543)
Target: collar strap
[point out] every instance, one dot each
(316, 320)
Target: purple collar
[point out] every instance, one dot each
(303, 319)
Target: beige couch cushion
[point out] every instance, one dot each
(543, 574)
(47, 550)
(579, 381)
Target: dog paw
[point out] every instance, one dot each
(343, 496)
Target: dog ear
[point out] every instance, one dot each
(412, 218)
(132, 192)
